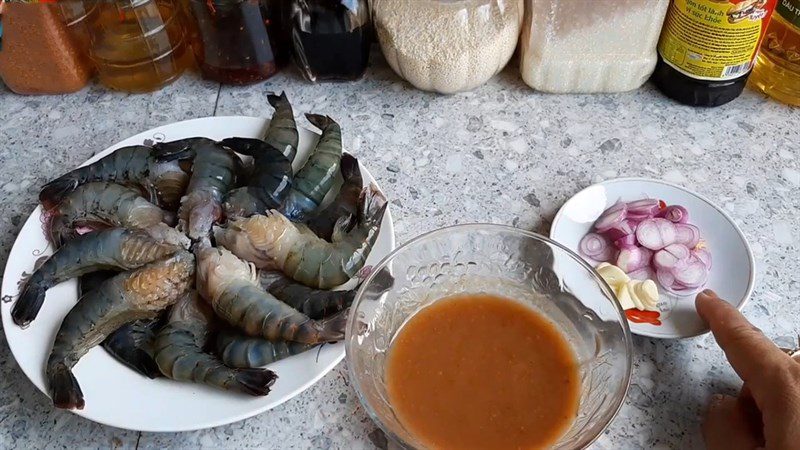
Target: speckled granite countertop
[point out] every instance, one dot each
(501, 154)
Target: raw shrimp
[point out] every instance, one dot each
(135, 164)
(315, 303)
(282, 131)
(100, 205)
(274, 242)
(128, 296)
(231, 285)
(117, 248)
(132, 343)
(180, 356)
(238, 350)
(268, 184)
(214, 173)
(314, 180)
(344, 204)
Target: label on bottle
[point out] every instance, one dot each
(790, 11)
(714, 39)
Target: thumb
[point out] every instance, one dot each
(727, 426)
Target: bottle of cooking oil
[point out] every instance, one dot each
(777, 70)
(139, 45)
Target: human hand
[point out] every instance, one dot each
(767, 411)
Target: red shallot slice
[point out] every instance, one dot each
(688, 235)
(596, 247)
(633, 258)
(675, 214)
(656, 233)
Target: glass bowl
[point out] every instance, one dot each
(504, 261)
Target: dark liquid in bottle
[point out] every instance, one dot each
(331, 41)
(237, 45)
(694, 92)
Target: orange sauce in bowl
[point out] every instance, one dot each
(481, 372)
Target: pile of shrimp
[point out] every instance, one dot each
(202, 260)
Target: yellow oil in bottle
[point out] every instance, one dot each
(777, 69)
(139, 45)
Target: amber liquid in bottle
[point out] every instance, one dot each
(139, 45)
(237, 40)
(777, 70)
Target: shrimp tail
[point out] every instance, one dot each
(182, 149)
(372, 205)
(130, 345)
(64, 386)
(53, 192)
(333, 327)
(319, 121)
(255, 381)
(277, 101)
(349, 167)
(29, 303)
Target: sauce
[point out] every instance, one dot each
(479, 371)
(139, 46)
(238, 40)
(331, 39)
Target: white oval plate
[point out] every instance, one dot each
(732, 274)
(116, 395)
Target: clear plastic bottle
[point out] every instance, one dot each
(330, 38)
(777, 69)
(139, 45)
(447, 46)
(38, 55)
(576, 46)
(238, 40)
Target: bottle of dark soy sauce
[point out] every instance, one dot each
(330, 38)
(707, 48)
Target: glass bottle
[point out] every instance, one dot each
(330, 38)
(777, 69)
(707, 48)
(38, 55)
(139, 45)
(238, 40)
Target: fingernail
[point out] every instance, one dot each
(716, 399)
(709, 293)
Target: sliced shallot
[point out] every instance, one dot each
(645, 206)
(692, 275)
(614, 216)
(675, 214)
(645, 273)
(688, 235)
(632, 259)
(703, 255)
(596, 247)
(627, 241)
(656, 233)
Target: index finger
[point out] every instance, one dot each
(753, 356)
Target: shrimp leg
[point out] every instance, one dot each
(114, 248)
(179, 354)
(315, 179)
(237, 350)
(126, 297)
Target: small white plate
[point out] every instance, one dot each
(116, 395)
(732, 274)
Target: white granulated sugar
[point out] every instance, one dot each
(579, 46)
(447, 46)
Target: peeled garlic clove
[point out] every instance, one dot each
(624, 298)
(613, 275)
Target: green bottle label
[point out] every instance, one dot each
(790, 11)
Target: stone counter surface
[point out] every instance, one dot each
(501, 153)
